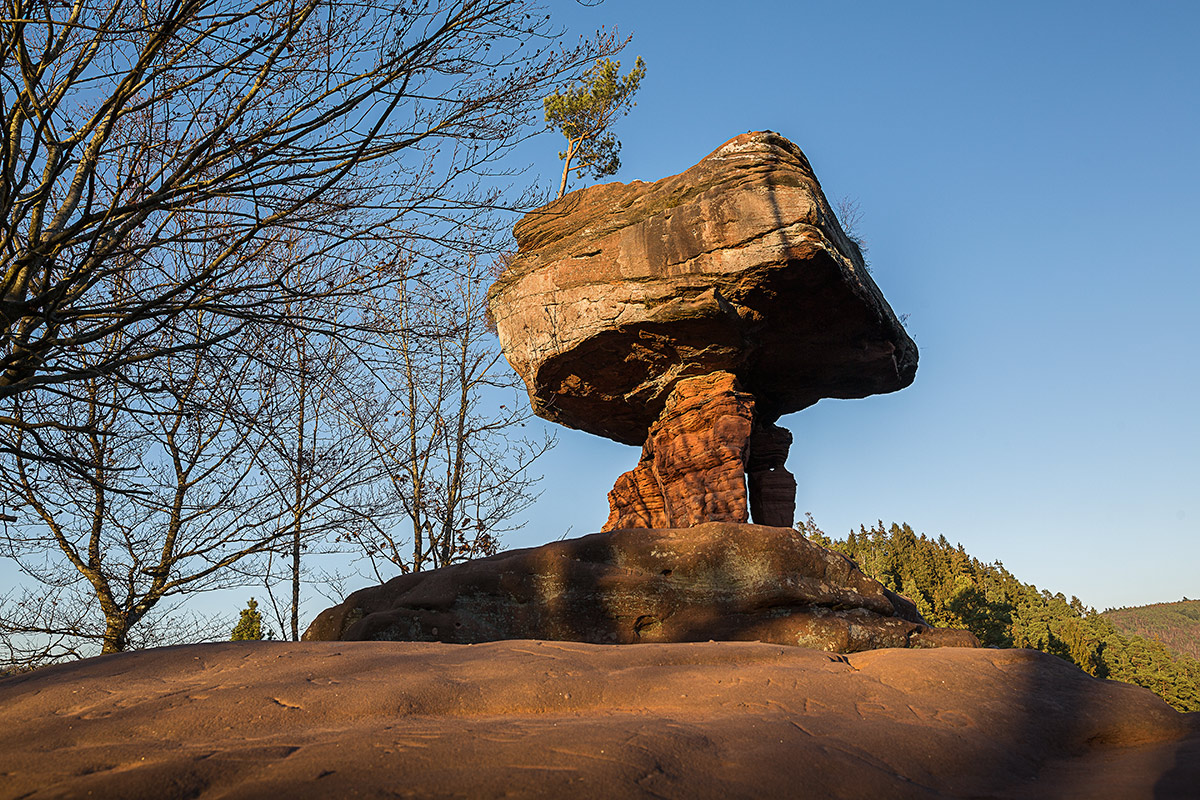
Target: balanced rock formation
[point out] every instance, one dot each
(298, 720)
(737, 266)
(685, 315)
(718, 581)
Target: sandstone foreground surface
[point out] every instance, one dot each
(556, 719)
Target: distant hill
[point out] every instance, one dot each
(1177, 625)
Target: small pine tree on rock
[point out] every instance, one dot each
(249, 626)
(584, 114)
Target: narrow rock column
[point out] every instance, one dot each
(772, 487)
(693, 465)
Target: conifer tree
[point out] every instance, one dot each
(584, 113)
(952, 589)
(249, 626)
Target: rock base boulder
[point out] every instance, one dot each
(715, 581)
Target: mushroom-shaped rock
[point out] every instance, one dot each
(737, 264)
(619, 293)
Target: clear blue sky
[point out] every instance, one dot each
(1029, 175)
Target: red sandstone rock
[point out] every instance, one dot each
(619, 291)
(700, 456)
(254, 720)
(623, 293)
(693, 465)
(719, 581)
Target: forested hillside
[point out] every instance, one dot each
(953, 589)
(1177, 625)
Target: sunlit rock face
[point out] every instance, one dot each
(620, 293)
(738, 265)
(692, 468)
(718, 581)
(319, 720)
(699, 456)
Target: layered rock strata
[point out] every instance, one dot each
(621, 293)
(699, 457)
(738, 264)
(713, 581)
(692, 468)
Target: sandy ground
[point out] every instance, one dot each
(552, 719)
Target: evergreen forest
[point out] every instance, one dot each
(953, 589)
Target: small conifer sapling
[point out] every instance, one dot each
(249, 626)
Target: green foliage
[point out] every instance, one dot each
(250, 624)
(584, 113)
(952, 589)
(1177, 625)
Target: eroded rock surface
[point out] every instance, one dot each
(693, 464)
(719, 720)
(738, 264)
(719, 581)
(699, 457)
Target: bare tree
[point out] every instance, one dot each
(318, 467)
(850, 215)
(157, 162)
(443, 416)
(348, 121)
(180, 437)
(40, 625)
(178, 495)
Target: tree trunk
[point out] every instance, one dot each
(298, 508)
(571, 148)
(457, 463)
(116, 634)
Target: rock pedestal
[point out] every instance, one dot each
(693, 465)
(698, 459)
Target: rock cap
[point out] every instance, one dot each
(738, 264)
